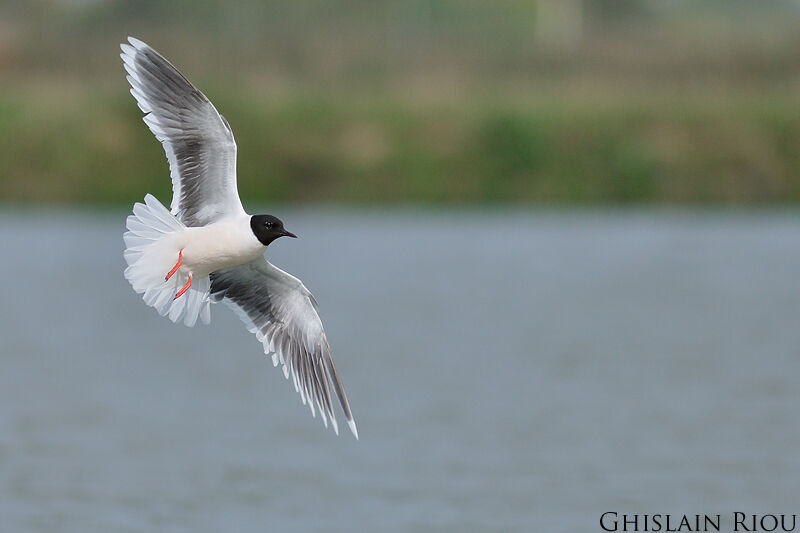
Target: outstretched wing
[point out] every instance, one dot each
(197, 140)
(278, 308)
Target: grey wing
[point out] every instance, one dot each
(197, 140)
(282, 313)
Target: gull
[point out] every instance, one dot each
(206, 248)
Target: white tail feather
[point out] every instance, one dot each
(151, 251)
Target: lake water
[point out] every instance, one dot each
(509, 371)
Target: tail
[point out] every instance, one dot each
(150, 251)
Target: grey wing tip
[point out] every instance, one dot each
(352, 423)
(127, 51)
(139, 45)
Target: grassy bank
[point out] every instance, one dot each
(442, 101)
(82, 147)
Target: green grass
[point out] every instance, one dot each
(82, 147)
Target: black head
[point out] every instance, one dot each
(267, 228)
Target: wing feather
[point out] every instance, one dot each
(197, 140)
(279, 309)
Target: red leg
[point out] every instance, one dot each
(177, 265)
(185, 288)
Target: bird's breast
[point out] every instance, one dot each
(220, 245)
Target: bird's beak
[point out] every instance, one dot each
(289, 234)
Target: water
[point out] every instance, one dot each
(508, 372)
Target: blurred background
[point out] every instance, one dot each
(430, 101)
(555, 246)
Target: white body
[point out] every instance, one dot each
(155, 241)
(223, 244)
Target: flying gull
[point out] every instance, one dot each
(206, 248)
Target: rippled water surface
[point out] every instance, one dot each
(508, 372)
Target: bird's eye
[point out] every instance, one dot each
(268, 225)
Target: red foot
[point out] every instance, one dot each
(185, 288)
(176, 267)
